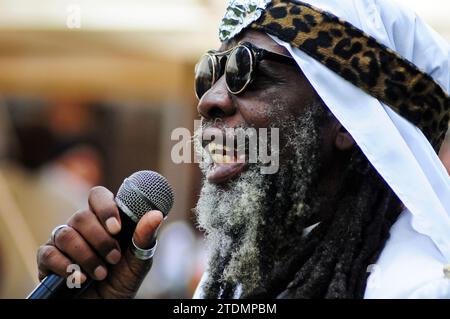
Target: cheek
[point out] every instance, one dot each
(276, 105)
(257, 114)
(266, 110)
(270, 115)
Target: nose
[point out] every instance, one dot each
(216, 102)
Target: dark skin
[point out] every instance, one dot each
(88, 241)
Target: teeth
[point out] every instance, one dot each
(219, 153)
(218, 148)
(221, 159)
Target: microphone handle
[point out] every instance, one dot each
(55, 287)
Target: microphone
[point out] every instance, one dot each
(143, 191)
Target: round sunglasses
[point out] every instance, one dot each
(239, 64)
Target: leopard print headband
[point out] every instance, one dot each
(351, 53)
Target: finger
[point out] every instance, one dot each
(72, 244)
(128, 274)
(145, 232)
(93, 232)
(51, 260)
(144, 237)
(102, 203)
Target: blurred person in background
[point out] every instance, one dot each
(59, 156)
(43, 178)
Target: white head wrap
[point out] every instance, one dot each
(396, 148)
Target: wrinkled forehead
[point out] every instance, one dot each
(260, 39)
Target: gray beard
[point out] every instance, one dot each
(253, 222)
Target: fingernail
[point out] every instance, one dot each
(113, 225)
(113, 257)
(100, 273)
(79, 274)
(159, 212)
(160, 224)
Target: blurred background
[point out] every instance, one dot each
(89, 93)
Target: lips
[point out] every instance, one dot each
(225, 164)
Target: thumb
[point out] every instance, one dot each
(145, 233)
(145, 238)
(127, 276)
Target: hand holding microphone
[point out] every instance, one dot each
(110, 241)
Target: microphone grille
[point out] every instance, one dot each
(144, 191)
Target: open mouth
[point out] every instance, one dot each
(226, 161)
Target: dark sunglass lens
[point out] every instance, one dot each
(238, 70)
(204, 77)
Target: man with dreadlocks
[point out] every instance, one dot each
(359, 207)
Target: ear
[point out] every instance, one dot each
(343, 140)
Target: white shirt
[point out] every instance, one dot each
(410, 266)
